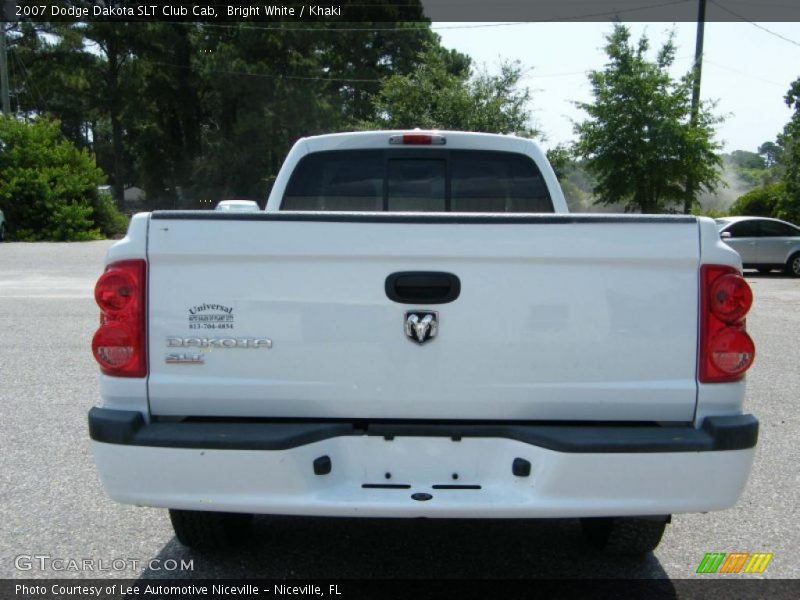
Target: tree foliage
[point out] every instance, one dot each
(639, 140)
(789, 141)
(746, 170)
(561, 159)
(190, 111)
(760, 202)
(748, 160)
(48, 187)
(771, 153)
(779, 194)
(444, 92)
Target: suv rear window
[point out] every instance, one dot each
(417, 181)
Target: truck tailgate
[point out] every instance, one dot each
(558, 318)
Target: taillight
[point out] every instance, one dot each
(118, 345)
(114, 290)
(730, 297)
(418, 139)
(726, 351)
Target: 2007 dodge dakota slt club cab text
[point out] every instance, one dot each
(416, 327)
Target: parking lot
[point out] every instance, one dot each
(53, 503)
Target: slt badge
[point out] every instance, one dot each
(194, 358)
(422, 325)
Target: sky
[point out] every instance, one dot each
(746, 70)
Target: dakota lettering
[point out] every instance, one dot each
(179, 342)
(112, 11)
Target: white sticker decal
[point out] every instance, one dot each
(211, 316)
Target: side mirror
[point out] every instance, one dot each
(725, 235)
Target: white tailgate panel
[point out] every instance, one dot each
(578, 321)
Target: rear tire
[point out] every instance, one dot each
(624, 535)
(209, 530)
(3, 232)
(793, 265)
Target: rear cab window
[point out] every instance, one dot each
(417, 181)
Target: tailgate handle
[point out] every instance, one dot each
(422, 287)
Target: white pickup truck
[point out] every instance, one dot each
(416, 327)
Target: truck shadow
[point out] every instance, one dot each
(319, 548)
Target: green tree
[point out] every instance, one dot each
(188, 110)
(444, 93)
(789, 141)
(114, 88)
(561, 159)
(53, 77)
(748, 160)
(163, 120)
(264, 88)
(771, 152)
(81, 75)
(760, 202)
(359, 57)
(48, 187)
(638, 140)
(747, 170)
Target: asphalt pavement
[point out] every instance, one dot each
(53, 504)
